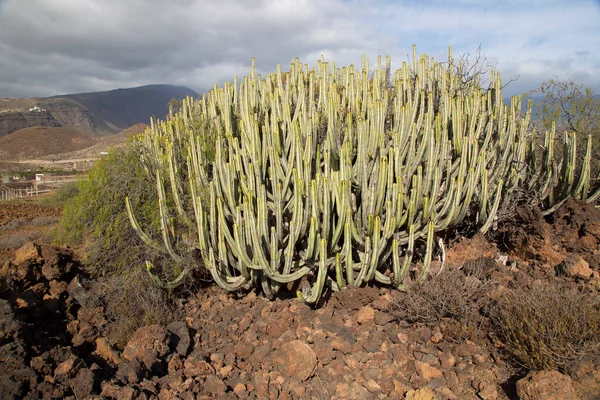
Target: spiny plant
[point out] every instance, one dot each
(334, 176)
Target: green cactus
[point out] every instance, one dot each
(329, 176)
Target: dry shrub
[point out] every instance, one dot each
(547, 326)
(132, 302)
(44, 221)
(14, 224)
(456, 295)
(18, 239)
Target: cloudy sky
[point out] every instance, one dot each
(50, 47)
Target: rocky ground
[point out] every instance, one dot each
(229, 346)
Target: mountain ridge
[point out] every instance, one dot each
(94, 113)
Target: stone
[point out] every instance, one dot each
(29, 252)
(400, 388)
(542, 385)
(180, 337)
(67, 369)
(131, 372)
(353, 391)
(240, 391)
(51, 303)
(83, 383)
(78, 290)
(296, 387)
(214, 385)
(57, 288)
(175, 364)
(447, 360)
(341, 345)
(54, 262)
(446, 393)
(105, 350)
(372, 386)
(195, 365)
(487, 391)
(436, 335)
(244, 350)
(423, 393)
(427, 371)
(9, 325)
(117, 392)
(575, 267)
(149, 344)
(296, 358)
(365, 315)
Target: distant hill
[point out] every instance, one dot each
(40, 141)
(96, 114)
(106, 142)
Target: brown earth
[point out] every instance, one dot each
(21, 223)
(41, 141)
(101, 145)
(68, 158)
(242, 345)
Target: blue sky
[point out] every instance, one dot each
(49, 47)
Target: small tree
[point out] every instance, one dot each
(574, 107)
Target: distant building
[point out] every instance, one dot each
(36, 109)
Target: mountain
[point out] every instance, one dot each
(96, 114)
(39, 141)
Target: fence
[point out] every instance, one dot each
(7, 193)
(36, 188)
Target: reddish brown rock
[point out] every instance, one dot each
(427, 371)
(149, 344)
(214, 385)
(83, 383)
(296, 358)
(241, 391)
(544, 385)
(117, 392)
(365, 315)
(105, 350)
(575, 267)
(131, 372)
(29, 252)
(420, 394)
(195, 365)
(67, 369)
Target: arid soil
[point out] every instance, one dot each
(37, 141)
(228, 346)
(25, 151)
(21, 223)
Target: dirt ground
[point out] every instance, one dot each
(53, 341)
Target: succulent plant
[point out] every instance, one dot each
(332, 176)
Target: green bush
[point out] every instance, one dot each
(95, 220)
(61, 196)
(94, 213)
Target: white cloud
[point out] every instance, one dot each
(61, 46)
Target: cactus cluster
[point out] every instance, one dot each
(332, 176)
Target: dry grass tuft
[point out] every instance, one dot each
(547, 326)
